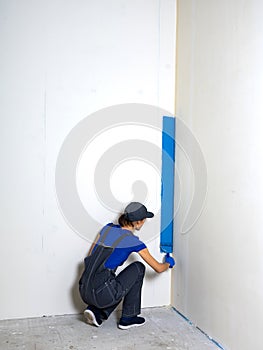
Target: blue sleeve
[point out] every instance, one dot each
(139, 247)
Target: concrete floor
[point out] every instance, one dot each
(164, 329)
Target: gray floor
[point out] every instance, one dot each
(164, 329)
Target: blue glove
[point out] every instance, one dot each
(168, 259)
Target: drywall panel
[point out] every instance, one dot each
(218, 282)
(60, 62)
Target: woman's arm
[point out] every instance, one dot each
(150, 260)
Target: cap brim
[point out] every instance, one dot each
(149, 214)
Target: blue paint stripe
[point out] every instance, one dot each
(167, 194)
(191, 323)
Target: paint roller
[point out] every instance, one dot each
(167, 190)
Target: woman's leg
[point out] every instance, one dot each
(130, 279)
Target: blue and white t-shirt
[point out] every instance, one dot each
(126, 246)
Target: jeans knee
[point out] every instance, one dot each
(141, 268)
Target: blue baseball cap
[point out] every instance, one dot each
(136, 211)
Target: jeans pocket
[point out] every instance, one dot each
(105, 294)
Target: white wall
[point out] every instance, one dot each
(60, 62)
(218, 281)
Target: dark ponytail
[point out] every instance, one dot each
(123, 221)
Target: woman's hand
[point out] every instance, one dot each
(169, 260)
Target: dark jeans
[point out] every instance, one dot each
(126, 285)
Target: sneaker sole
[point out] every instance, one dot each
(90, 318)
(131, 325)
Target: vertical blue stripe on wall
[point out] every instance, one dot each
(167, 194)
